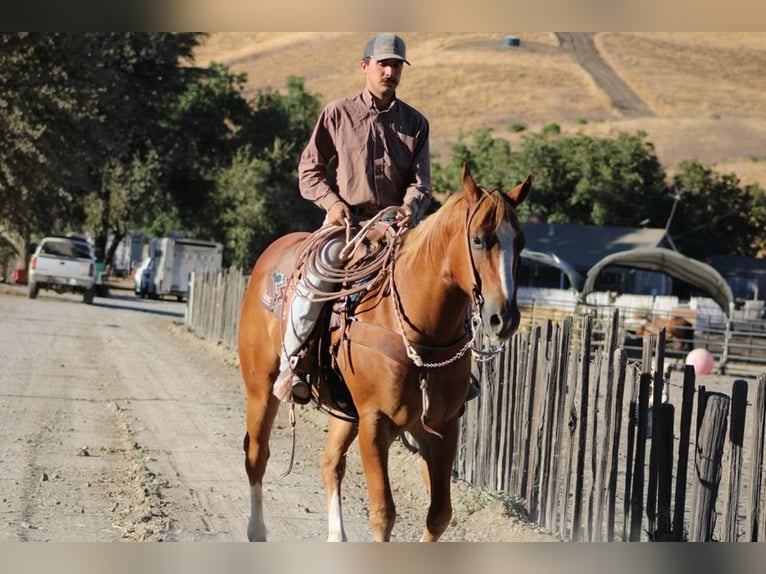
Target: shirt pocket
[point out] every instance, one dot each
(351, 140)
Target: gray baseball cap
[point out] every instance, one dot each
(384, 47)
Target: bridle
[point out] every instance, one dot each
(474, 325)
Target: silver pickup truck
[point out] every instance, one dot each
(65, 265)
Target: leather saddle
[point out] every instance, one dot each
(316, 360)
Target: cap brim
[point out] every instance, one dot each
(379, 57)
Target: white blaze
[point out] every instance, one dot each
(506, 235)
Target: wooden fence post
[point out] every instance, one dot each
(503, 381)
(593, 420)
(655, 399)
(662, 437)
(534, 429)
(637, 494)
(687, 404)
(549, 422)
(712, 435)
(559, 443)
(572, 426)
(582, 435)
(755, 525)
(529, 398)
(619, 363)
(736, 440)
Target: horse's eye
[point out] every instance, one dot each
(477, 242)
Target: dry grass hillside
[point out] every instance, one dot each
(706, 91)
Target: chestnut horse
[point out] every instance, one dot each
(679, 333)
(403, 355)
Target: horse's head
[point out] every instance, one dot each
(495, 241)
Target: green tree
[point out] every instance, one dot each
(257, 195)
(714, 215)
(77, 105)
(133, 198)
(42, 151)
(593, 181)
(135, 79)
(757, 219)
(205, 127)
(259, 201)
(486, 156)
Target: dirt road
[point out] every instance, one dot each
(118, 424)
(582, 48)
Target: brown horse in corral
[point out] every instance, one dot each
(679, 333)
(401, 352)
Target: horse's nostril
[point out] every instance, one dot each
(497, 321)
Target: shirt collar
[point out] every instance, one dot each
(369, 101)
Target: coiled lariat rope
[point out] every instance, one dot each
(369, 271)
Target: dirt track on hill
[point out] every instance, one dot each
(581, 46)
(118, 424)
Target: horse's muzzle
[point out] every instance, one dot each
(500, 323)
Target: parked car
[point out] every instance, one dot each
(64, 264)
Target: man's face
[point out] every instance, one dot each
(382, 76)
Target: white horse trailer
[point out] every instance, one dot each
(173, 262)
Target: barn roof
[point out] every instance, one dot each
(672, 263)
(582, 246)
(576, 279)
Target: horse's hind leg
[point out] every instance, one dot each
(262, 408)
(341, 435)
(438, 456)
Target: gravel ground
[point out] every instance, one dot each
(117, 423)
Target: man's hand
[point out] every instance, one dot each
(404, 217)
(338, 213)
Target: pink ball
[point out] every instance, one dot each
(702, 360)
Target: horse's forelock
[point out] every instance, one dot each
(493, 210)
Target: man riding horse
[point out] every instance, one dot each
(367, 153)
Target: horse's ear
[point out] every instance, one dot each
(469, 185)
(519, 193)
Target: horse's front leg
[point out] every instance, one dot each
(438, 455)
(261, 410)
(341, 435)
(376, 433)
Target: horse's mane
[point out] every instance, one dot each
(451, 216)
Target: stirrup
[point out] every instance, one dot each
(299, 390)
